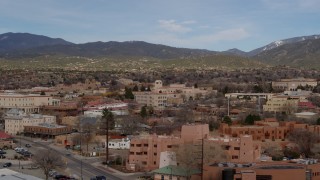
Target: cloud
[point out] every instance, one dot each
(189, 22)
(173, 26)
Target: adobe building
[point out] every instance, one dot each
(145, 151)
(296, 170)
(242, 149)
(162, 96)
(267, 129)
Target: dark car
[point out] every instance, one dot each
(8, 164)
(99, 178)
(3, 152)
(28, 145)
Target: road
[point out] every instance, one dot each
(73, 163)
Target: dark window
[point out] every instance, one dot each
(236, 148)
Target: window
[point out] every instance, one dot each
(235, 157)
(155, 145)
(145, 153)
(145, 145)
(236, 148)
(138, 145)
(155, 154)
(169, 146)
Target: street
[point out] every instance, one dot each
(73, 163)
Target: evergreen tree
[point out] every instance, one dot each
(143, 112)
(227, 120)
(128, 93)
(135, 88)
(251, 118)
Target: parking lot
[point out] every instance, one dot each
(24, 165)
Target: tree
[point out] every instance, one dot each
(227, 120)
(189, 155)
(304, 139)
(142, 88)
(143, 112)
(87, 135)
(128, 124)
(251, 118)
(135, 88)
(128, 93)
(109, 123)
(48, 159)
(318, 121)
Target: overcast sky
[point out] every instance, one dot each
(206, 24)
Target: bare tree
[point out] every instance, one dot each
(189, 155)
(304, 139)
(128, 124)
(87, 135)
(48, 159)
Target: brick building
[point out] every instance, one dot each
(46, 130)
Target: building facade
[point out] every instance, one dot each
(293, 84)
(161, 96)
(30, 103)
(267, 130)
(16, 120)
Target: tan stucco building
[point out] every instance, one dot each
(16, 120)
(28, 103)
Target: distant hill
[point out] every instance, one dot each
(235, 51)
(17, 41)
(299, 54)
(17, 45)
(280, 43)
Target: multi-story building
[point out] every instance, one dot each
(242, 149)
(162, 96)
(292, 84)
(28, 103)
(282, 104)
(145, 151)
(16, 120)
(268, 129)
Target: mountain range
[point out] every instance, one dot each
(301, 51)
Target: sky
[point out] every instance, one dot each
(204, 24)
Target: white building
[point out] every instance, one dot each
(124, 143)
(116, 108)
(15, 120)
(28, 103)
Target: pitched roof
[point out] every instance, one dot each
(176, 171)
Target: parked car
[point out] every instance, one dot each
(3, 152)
(99, 178)
(7, 164)
(2, 156)
(28, 145)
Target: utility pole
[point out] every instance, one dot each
(228, 106)
(80, 122)
(202, 157)
(107, 140)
